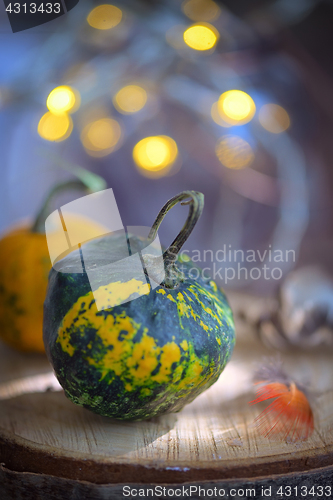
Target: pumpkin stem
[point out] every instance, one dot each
(86, 181)
(39, 224)
(196, 204)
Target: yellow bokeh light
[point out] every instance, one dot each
(55, 127)
(274, 118)
(100, 137)
(234, 152)
(236, 107)
(130, 99)
(155, 153)
(201, 36)
(217, 117)
(201, 10)
(104, 17)
(63, 99)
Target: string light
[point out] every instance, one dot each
(104, 17)
(217, 117)
(63, 99)
(55, 127)
(201, 10)
(234, 152)
(155, 153)
(274, 118)
(201, 36)
(100, 137)
(130, 99)
(236, 107)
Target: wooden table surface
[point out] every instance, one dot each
(213, 438)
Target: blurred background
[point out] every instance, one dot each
(233, 99)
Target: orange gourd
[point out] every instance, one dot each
(24, 268)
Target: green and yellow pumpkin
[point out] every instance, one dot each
(145, 357)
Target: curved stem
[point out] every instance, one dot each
(86, 181)
(39, 224)
(196, 204)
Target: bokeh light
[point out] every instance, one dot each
(234, 152)
(155, 153)
(104, 17)
(130, 99)
(274, 118)
(55, 127)
(201, 10)
(100, 137)
(63, 99)
(201, 36)
(236, 107)
(214, 112)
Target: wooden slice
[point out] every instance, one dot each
(213, 438)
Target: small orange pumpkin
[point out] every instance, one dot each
(24, 268)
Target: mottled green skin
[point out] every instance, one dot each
(206, 326)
